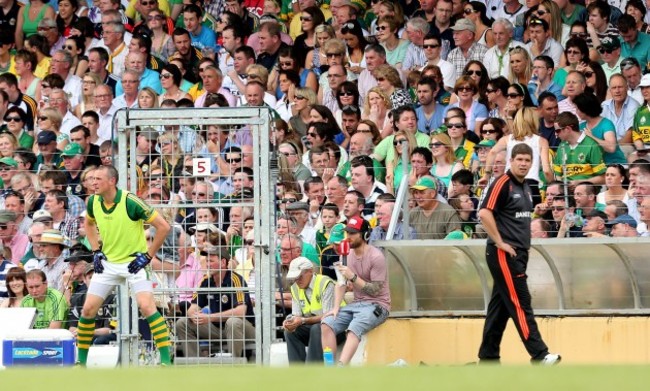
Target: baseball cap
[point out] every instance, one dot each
(42, 215)
(424, 183)
(464, 24)
(622, 219)
(46, 137)
(7, 216)
(72, 149)
(486, 143)
(79, 253)
(610, 43)
(298, 206)
(337, 234)
(357, 224)
(297, 266)
(645, 81)
(9, 161)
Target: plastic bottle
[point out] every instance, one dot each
(579, 221)
(204, 345)
(328, 357)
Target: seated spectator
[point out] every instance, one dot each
(51, 307)
(300, 212)
(16, 280)
(466, 209)
(56, 203)
(590, 166)
(312, 295)
(363, 181)
(566, 222)
(623, 226)
(229, 319)
(11, 238)
(598, 128)
(431, 218)
(585, 198)
(384, 214)
(52, 252)
(56, 180)
(539, 229)
(595, 224)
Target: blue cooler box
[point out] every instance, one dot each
(38, 347)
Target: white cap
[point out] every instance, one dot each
(42, 215)
(297, 266)
(645, 81)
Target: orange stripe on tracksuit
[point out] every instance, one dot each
(496, 190)
(507, 276)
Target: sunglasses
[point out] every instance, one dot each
(286, 63)
(312, 134)
(398, 142)
(13, 119)
(348, 26)
(589, 74)
(165, 75)
(489, 91)
(577, 52)
(346, 93)
(602, 50)
(146, 3)
(456, 126)
(477, 73)
(579, 35)
(382, 28)
(287, 154)
(541, 12)
(233, 160)
(488, 131)
(430, 46)
(513, 95)
(305, 19)
(468, 11)
(5, 168)
(350, 108)
(69, 47)
(465, 88)
(155, 17)
(436, 145)
(628, 63)
(381, 79)
(557, 208)
(199, 193)
(299, 97)
(334, 54)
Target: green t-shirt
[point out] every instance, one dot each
(385, 150)
(583, 162)
(53, 308)
(641, 125)
(25, 140)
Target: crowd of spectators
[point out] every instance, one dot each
(364, 96)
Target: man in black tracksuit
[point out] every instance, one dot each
(505, 214)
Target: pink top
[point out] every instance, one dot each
(189, 277)
(371, 266)
(18, 247)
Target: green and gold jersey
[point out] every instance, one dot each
(121, 225)
(641, 125)
(583, 162)
(464, 153)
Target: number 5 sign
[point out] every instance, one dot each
(201, 166)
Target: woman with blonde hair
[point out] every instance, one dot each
(524, 131)
(8, 145)
(549, 11)
(303, 99)
(521, 66)
(444, 158)
(389, 80)
(375, 108)
(51, 119)
(388, 8)
(394, 167)
(147, 98)
(90, 81)
(317, 56)
(171, 160)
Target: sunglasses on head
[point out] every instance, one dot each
(628, 63)
(350, 108)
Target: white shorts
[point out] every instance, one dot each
(102, 284)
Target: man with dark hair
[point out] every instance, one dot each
(243, 57)
(404, 119)
(232, 39)
(542, 80)
(353, 204)
(363, 181)
(429, 115)
(90, 120)
(202, 37)
(142, 43)
(548, 111)
(186, 53)
(633, 43)
(81, 135)
(541, 43)
(250, 19)
(578, 158)
(56, 203)
(270, 44)
(441, 26)
(598, 23)
(505, 214)
(97, 61)
(367, 273)
(315, 191)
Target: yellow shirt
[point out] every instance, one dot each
(43, 68)
(135, 15)
(295, 28)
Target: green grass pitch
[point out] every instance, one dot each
(526, 378)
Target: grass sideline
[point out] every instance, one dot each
(528, 378)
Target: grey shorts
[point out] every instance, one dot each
(358, 318)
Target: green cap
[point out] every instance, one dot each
(425, 182)
(337, 234)
(9, 161)
(72, 149)
(486, 143)
(456, 235)
(7, 216)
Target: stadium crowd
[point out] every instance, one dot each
(353, 88)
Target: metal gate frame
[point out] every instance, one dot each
(265, 170)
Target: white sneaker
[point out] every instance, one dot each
(551, 359)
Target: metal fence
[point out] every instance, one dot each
(186, 164)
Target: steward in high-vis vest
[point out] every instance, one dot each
(312, 295)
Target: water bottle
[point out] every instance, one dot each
(204, 346)
(579, 220)
(328, 357)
